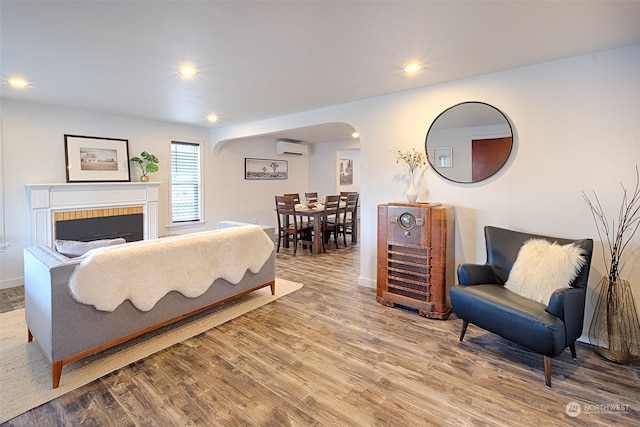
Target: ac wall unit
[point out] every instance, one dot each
(289, 147)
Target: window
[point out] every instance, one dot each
(186, 197)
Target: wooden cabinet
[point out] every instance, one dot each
(416, 257)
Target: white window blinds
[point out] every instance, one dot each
(185, 182)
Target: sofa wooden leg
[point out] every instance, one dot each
(464, 329)
(572, 347)
(29, 335)
(547, 370)
(56, 373)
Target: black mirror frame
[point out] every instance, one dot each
(457, 105)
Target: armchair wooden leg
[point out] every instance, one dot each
(572, 347)
(464, 329)
(546, 360)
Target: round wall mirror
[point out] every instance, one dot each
(469, 142)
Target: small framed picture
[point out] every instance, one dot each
(346, 172)
(93, 159)
(443, 157)
(265, 169)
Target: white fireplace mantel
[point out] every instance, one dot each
(47, 199)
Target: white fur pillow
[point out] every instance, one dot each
(542, 267)
(74, 248)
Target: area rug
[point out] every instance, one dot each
(25, 374)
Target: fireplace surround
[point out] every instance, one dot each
(50, 203)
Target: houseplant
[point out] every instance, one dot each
(615, 328)
(148, 163)
(414, 159)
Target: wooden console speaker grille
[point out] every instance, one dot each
(415, 257)
(408, 272)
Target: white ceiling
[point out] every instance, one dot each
(265, 59)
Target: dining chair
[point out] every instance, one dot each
(330, 220)
(288, 226)
(296, 197)
(349, 217)
(296, 201)
(345, 194)
(311, 197)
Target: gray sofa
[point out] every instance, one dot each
(67, 330)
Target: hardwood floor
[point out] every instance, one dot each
(329, 355)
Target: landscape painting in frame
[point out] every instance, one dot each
(265, 169)
(93, 159)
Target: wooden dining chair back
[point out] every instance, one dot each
(311, 197)
(289, 229)
(350, 218)
(296, 201)
(345, 194)
(331, 220)
(296, 197)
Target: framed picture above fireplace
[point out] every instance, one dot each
(94, 159)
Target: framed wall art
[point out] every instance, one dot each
(93, 159)
(346, 172)
(443, 157)
(265, 169)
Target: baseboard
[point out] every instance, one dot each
(11, 283)
(584, 338)
(367, 283)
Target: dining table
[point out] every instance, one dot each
(314, 212)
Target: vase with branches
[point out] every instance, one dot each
(615, 328)
(414, 159)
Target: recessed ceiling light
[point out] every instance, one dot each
(355, 135)
(18, 82)
(412, 68)
(212, 118)
(188, 71)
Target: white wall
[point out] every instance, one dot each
(324, 167)
(576, 126)
(33, 152)
(232, 197)
(2, 210)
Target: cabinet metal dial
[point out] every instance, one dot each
(407, 221)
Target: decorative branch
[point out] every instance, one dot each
(413, 158)
(627, 225)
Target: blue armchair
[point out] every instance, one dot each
(481, 298)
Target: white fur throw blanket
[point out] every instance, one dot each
(145, 271)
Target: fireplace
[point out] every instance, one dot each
(99, 224)
(91, 211)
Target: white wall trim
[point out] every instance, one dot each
(47, 199)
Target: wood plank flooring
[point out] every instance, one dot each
(329, 355)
